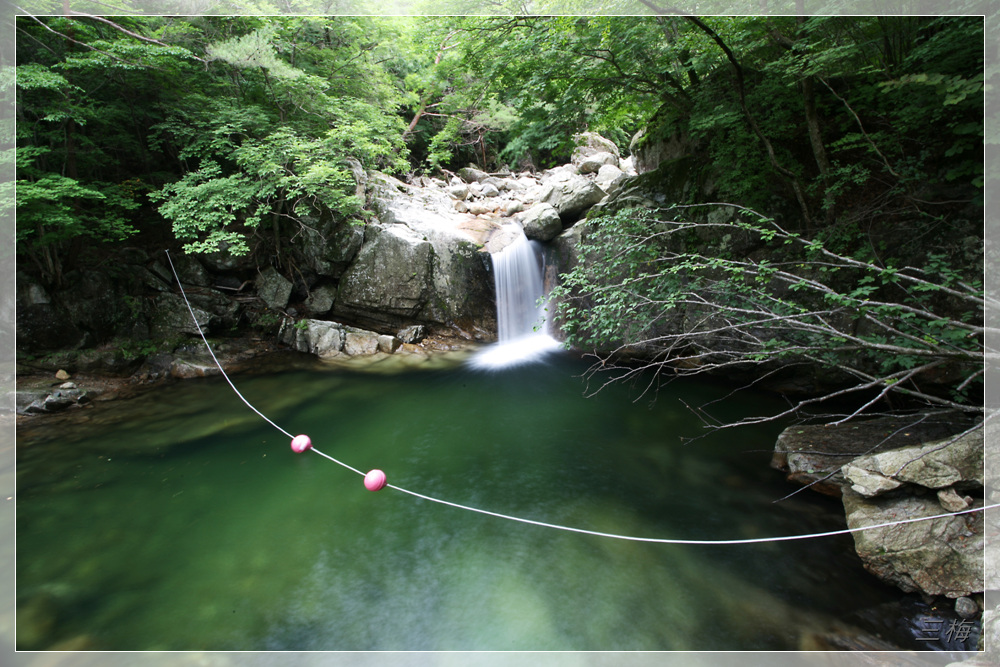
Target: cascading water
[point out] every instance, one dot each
(521, 313)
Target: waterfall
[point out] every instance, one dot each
(521, 312)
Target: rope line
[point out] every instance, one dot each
(571, 529)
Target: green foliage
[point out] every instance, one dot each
(680, 290)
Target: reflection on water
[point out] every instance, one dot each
(179, 520)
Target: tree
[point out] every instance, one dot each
(737, 294)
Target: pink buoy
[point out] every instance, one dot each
(301, 443)
(375, 480)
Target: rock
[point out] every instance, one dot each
(67, 385)
(814, 454)
(171, 317)
(572, 196)
(610, 179)
(388, 344)
(62, 375)
(471, 174)
(327, 246)
(190, 270)
(319, 337)
(936, 557)
(321, 300)
(42, 327)
(951, 501)
(273, 288)
(592, 164)
(459, 192)
(934, 465)
(391, 279)
(490, 190)
(195, 367)
(591, 143)
(966, 607)
(358, 342)
(412, 334)
(541, 222)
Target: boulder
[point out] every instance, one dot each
(591, 143)
(319, 337)
(358, 342)
(170, 317)
(388, 344)
(813, 455)
(591, 164)
(952, 462)
(321, 300)
(610, 179)
(490, 190)
(391, 280)
(459, 192)
(273, 288)
(572, 195)
(936, 557)
(541, 222)
(471, 174)
(42, 326)
(193, 367)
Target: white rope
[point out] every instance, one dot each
(632, 538)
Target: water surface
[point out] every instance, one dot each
(178, 520)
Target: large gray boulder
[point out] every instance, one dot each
(953, 462)
(591, 143)
(391, 280)
(319, 337)
(541, 222)
(813, 455)
(572, 195)
(938, 557)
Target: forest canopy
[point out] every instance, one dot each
(223, 131)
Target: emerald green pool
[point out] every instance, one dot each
(179, 520)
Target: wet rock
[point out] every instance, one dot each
(966, 607)
(934, 465)
(193, 367)
(541, 222)
(936, 557)
(273, 288)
